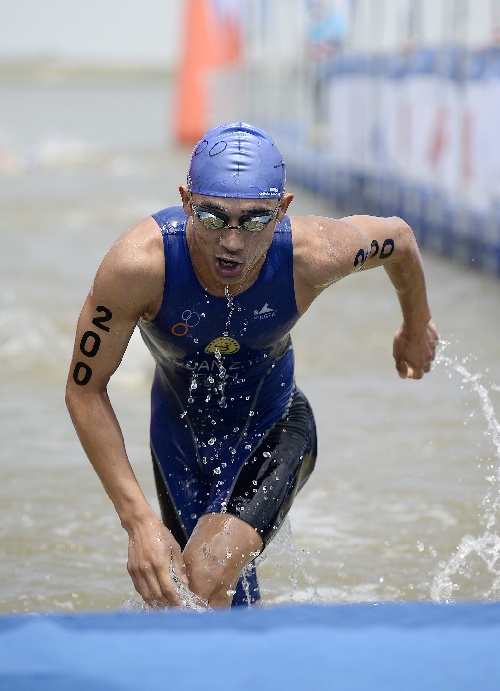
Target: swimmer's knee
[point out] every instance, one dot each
(211, 578)
(217, 552)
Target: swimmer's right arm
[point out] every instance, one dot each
(125, 288)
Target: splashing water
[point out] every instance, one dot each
(188, 599)
(222, 379)
(230, 305)
(222, 373)
(283, 547)
(193, 385)
(473, 554)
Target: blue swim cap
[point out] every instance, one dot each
(237, 160)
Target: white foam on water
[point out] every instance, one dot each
(283, 548)
(477, 558)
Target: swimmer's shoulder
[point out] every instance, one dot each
(317, 241)
(322, 255)
(133, 270)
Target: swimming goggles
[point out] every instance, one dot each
(213, 219)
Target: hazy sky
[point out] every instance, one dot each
(145, 31)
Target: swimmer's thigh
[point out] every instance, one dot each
(267, 483)
(182, 495)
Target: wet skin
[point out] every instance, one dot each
(129, 286)
(231, 257)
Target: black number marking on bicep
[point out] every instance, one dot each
(99, 321)
(387, 248)
(375, 249)
(95, 342)
(386, 251)
(77, 373)
(89, 346)
(361, 256)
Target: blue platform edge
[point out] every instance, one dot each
(401, 646)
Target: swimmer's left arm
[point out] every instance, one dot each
(393, 246)
(330, 249)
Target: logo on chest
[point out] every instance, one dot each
(265, 312)
(224, 344)
(189, 320)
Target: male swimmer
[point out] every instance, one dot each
(215, 286)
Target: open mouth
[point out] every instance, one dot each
(226, 267)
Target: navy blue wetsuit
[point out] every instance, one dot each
(230, 432)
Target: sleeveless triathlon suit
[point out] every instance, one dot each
(230, 432)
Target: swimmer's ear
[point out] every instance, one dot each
(186, 200)
(286, 200)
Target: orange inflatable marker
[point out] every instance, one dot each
(197, 57)
(212, 39)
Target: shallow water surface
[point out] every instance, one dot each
(403, 503)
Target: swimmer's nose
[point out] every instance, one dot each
(232, 240)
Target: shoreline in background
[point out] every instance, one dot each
(60, 70)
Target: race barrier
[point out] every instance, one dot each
(415, 136)
(412, 131)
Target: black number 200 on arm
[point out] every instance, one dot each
(89, 346)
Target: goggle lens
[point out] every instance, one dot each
(216, 220)
(210, 220)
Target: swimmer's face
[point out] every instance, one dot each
(233, 256)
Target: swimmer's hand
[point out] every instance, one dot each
(153, 556)
(414, 351)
